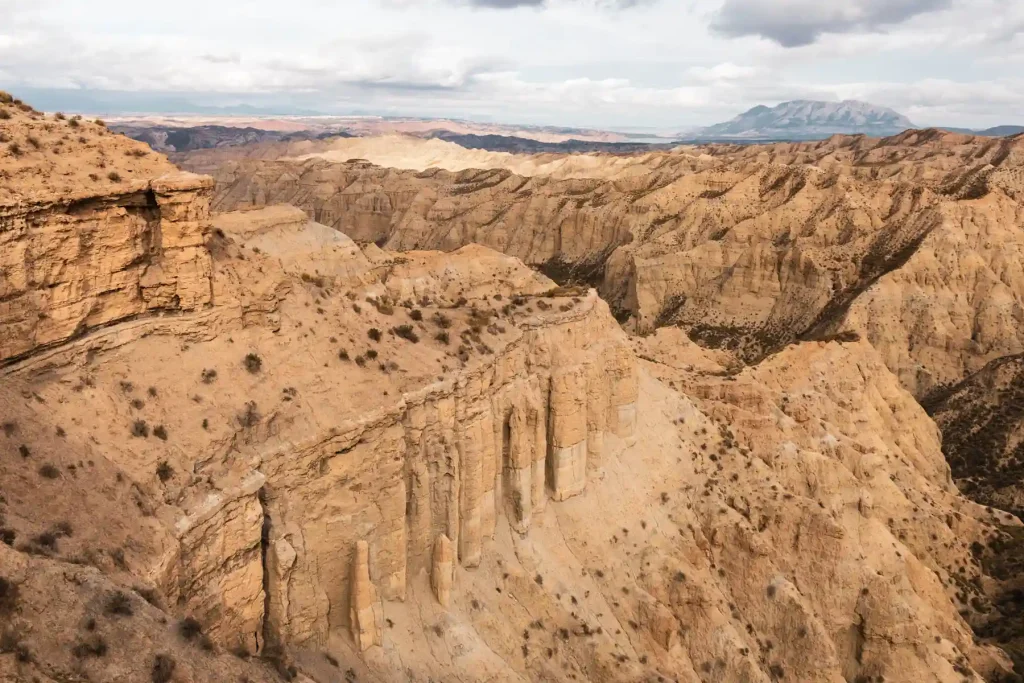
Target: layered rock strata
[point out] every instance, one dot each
(71, 265)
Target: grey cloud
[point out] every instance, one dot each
(801, 22)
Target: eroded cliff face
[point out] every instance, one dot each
(375, 465)
(747, 248)
(513, 495)
(74, 257)
(71, 265)
(441, 466)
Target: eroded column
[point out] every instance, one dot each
(365, 615)
(568, 432)
(442, 569)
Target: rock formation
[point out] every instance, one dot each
(747, 248)
(350, 462)
(441, 570)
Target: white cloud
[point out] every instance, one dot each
(614, 63)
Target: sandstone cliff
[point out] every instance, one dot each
(748, 248)
(73, 258)
(359, 464)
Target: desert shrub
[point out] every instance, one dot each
(406, 332)
(119, 604)
(73, 122)
(137, 153)
(14, 148)
(7, 536)
(24, 451)
(48, 471)
(209, 376)
(190, 629)
(443, 337)
(374, 334)
(416, 314)
(163, 668)
(360, 361)
(343, 354)
(8, 596)
(149, 595)
(4, 114)
(10, 642)
(383, 307)
(59, 116)
(93, 646)
(250, 416)
(152, 391)
(33, 140)
(160, 432)
(253, 363)
(100, 122)
(140, 429)
(6, 97)
(164, 471)
(46, 541)
(442, 321)
(371, 354)
(114, 177)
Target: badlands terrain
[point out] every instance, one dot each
(378, 409)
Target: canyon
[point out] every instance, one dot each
(379, 409)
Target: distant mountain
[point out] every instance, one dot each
(807, 120)
(994, 132)
(1001, 131)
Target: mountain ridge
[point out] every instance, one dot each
(809, 119)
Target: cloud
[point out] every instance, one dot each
(579, 4)
(793, 23)
(505, 4)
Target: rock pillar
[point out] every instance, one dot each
(441, 570)
(568, 467)
(364, 607)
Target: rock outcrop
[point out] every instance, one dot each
(75, 259)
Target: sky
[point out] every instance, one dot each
(662, 65)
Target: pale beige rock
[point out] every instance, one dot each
(364, 610)
(803, 502)
(568, 432)
(70, 266)
(442, 570)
